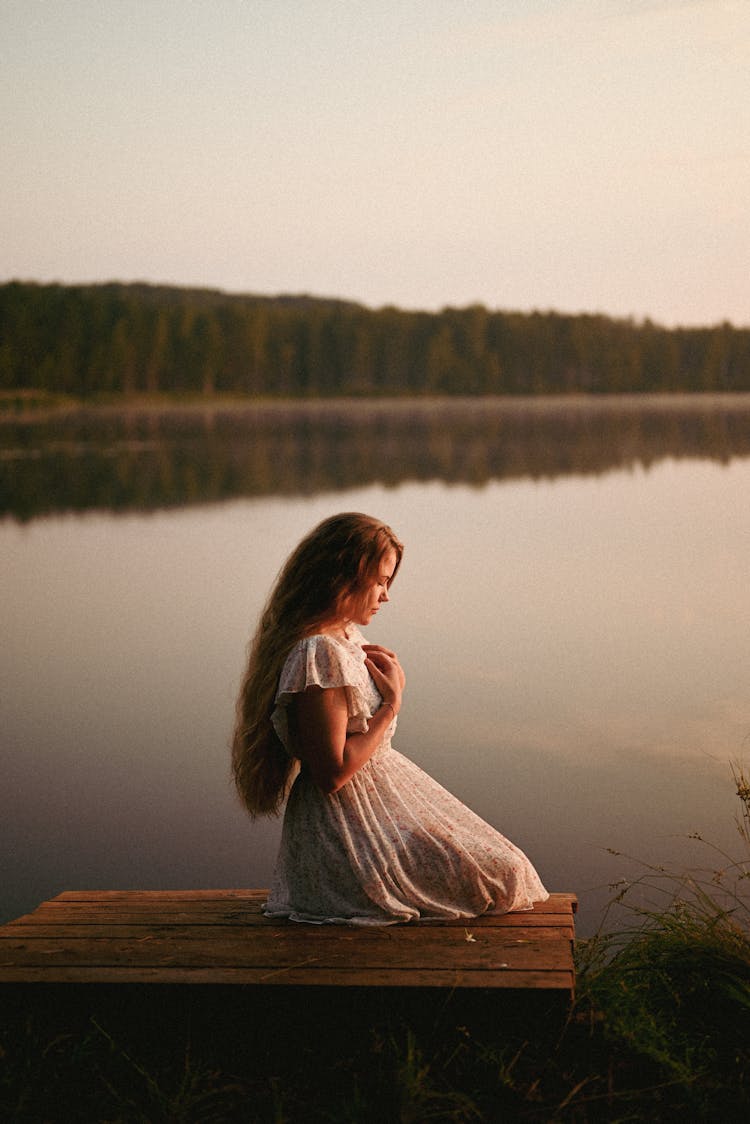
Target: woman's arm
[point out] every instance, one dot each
(332, 756)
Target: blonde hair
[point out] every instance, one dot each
(318, 581)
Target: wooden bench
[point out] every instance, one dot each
(221, 937)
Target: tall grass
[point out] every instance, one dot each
(659, 1031)
(670, 984)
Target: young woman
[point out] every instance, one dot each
(368, 838)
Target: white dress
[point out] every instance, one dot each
(391, 845)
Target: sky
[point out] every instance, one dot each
(577, 155)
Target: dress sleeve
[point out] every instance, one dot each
(322, 662)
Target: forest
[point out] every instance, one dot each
(89, 341)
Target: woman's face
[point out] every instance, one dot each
(365, 604)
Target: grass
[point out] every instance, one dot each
(659, 1031)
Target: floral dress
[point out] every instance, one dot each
(391, 845)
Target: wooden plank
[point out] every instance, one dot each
(422, 940)
(276, 951)
(124, 913)
(166, 911)
(36, 927)
(159, 895)
(199, 930)
(158, 914)
(556, 904)
(166, 905)
(295, 975)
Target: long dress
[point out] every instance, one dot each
(391, 845)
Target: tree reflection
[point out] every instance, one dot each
(145, 459)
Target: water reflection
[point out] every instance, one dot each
(148, 459)
(576, 653)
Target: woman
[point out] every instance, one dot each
(368, 837)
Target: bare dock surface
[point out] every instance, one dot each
(221, 937)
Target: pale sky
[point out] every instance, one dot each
(581, 155)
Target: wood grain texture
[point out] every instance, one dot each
(221, 936)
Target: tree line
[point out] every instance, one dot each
(129, 339)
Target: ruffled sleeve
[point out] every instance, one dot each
(323, 661)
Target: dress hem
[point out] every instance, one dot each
(364, 921)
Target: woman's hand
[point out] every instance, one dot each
(331, 754)
(387, 673)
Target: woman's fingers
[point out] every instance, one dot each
(390, 670)
(380, 655)
(386, 663)
(384, 670)
(388, 678)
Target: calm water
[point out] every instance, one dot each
(573, 613)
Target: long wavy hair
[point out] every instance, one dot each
(321, 578)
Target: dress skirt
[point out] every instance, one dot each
(392, 845)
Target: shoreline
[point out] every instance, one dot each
(33, 406)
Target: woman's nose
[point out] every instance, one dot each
(384, 595)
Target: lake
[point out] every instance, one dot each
(573, 614)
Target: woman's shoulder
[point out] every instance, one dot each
(353, 638)
(324, 660)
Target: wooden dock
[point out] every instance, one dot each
(220, 937)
